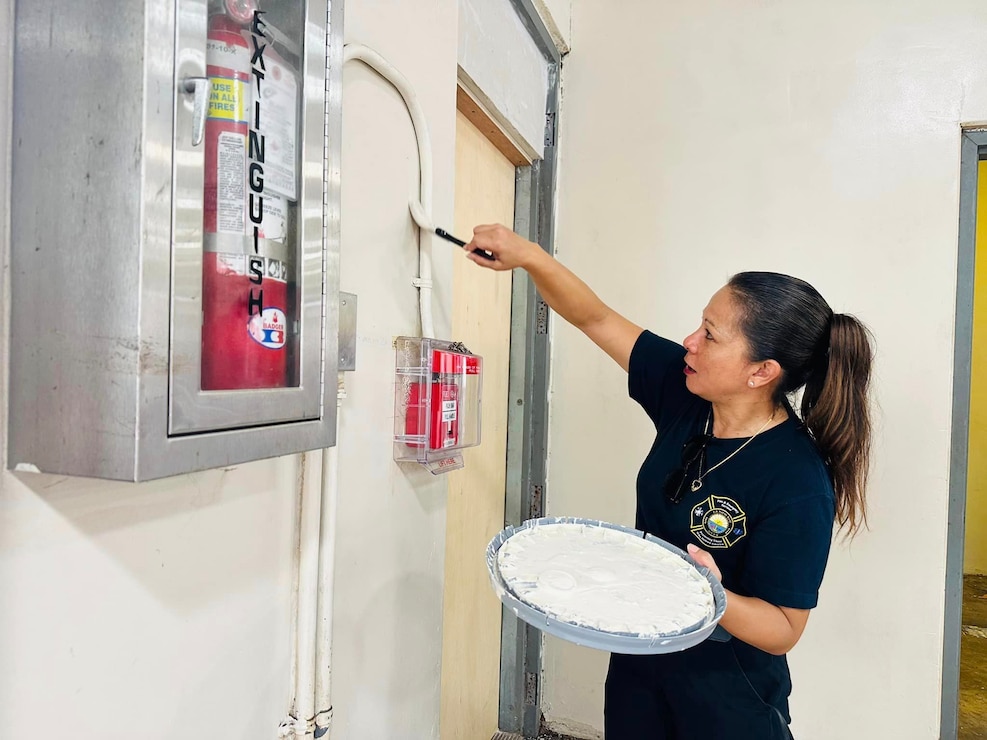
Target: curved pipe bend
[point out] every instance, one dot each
(400, 83)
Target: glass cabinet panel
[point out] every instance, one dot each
(248, 225)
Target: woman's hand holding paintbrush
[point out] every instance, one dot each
(507, 249)
(420, 217)
(493, 246)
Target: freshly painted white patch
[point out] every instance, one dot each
(504, 69)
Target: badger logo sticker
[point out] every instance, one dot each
(718, 522)
(268, 328)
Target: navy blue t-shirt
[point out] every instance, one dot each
(766, 515)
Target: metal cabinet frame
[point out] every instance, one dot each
(96, 368)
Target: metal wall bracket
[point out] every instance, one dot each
(347, 332)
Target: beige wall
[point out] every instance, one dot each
(389, 568)
(161, 611)
(820, 139)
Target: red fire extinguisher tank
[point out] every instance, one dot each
(244, 282)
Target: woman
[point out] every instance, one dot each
(733, 470)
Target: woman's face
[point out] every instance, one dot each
(718, 366)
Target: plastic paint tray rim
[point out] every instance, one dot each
(616, 642)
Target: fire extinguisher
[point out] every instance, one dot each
(442, 398)
(244, 288)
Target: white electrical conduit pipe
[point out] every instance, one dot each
(310, 711)
(327, 571)
(311, 705)
(301, 711)
(380, 65)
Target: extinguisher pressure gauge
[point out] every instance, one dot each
(240, 10)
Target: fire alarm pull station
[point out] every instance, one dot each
(179, 308)
(437, 402)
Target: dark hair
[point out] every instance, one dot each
(786, 320)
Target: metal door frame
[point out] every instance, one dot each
(527, 415)
(973, 151)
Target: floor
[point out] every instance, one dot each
(545, 734)
(973, 660)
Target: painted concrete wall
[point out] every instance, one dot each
(503, 65)
(388, 596)
(819, 139)
(975, 544)
(163, 610)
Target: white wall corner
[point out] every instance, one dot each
(557, 17)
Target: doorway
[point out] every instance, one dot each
(973, 637)
(491, 672)
(964, 701)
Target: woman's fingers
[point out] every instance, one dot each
(705, 559)
(504, 245)
(496, 240)
(490, 264)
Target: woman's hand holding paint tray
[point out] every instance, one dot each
(704, 559)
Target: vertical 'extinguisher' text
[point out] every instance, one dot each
(255, 173)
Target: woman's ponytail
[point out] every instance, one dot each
(829, 356)
(836, 412)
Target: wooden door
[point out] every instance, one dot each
(482, 321)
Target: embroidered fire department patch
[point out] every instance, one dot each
(718, 522)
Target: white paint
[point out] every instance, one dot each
(175, 594)
(604, 579)
(504, 69)
(817, 139)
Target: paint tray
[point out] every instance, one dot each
(615, 642)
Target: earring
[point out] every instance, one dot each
(751, 384)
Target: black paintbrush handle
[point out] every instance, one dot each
(449, 237)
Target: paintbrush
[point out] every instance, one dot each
(418, 214)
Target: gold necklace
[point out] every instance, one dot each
(698, 482)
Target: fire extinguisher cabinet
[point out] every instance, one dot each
(174, 234)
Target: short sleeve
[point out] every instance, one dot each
(654, 374)
(787, 553)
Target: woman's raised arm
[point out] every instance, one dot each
(560, 288)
